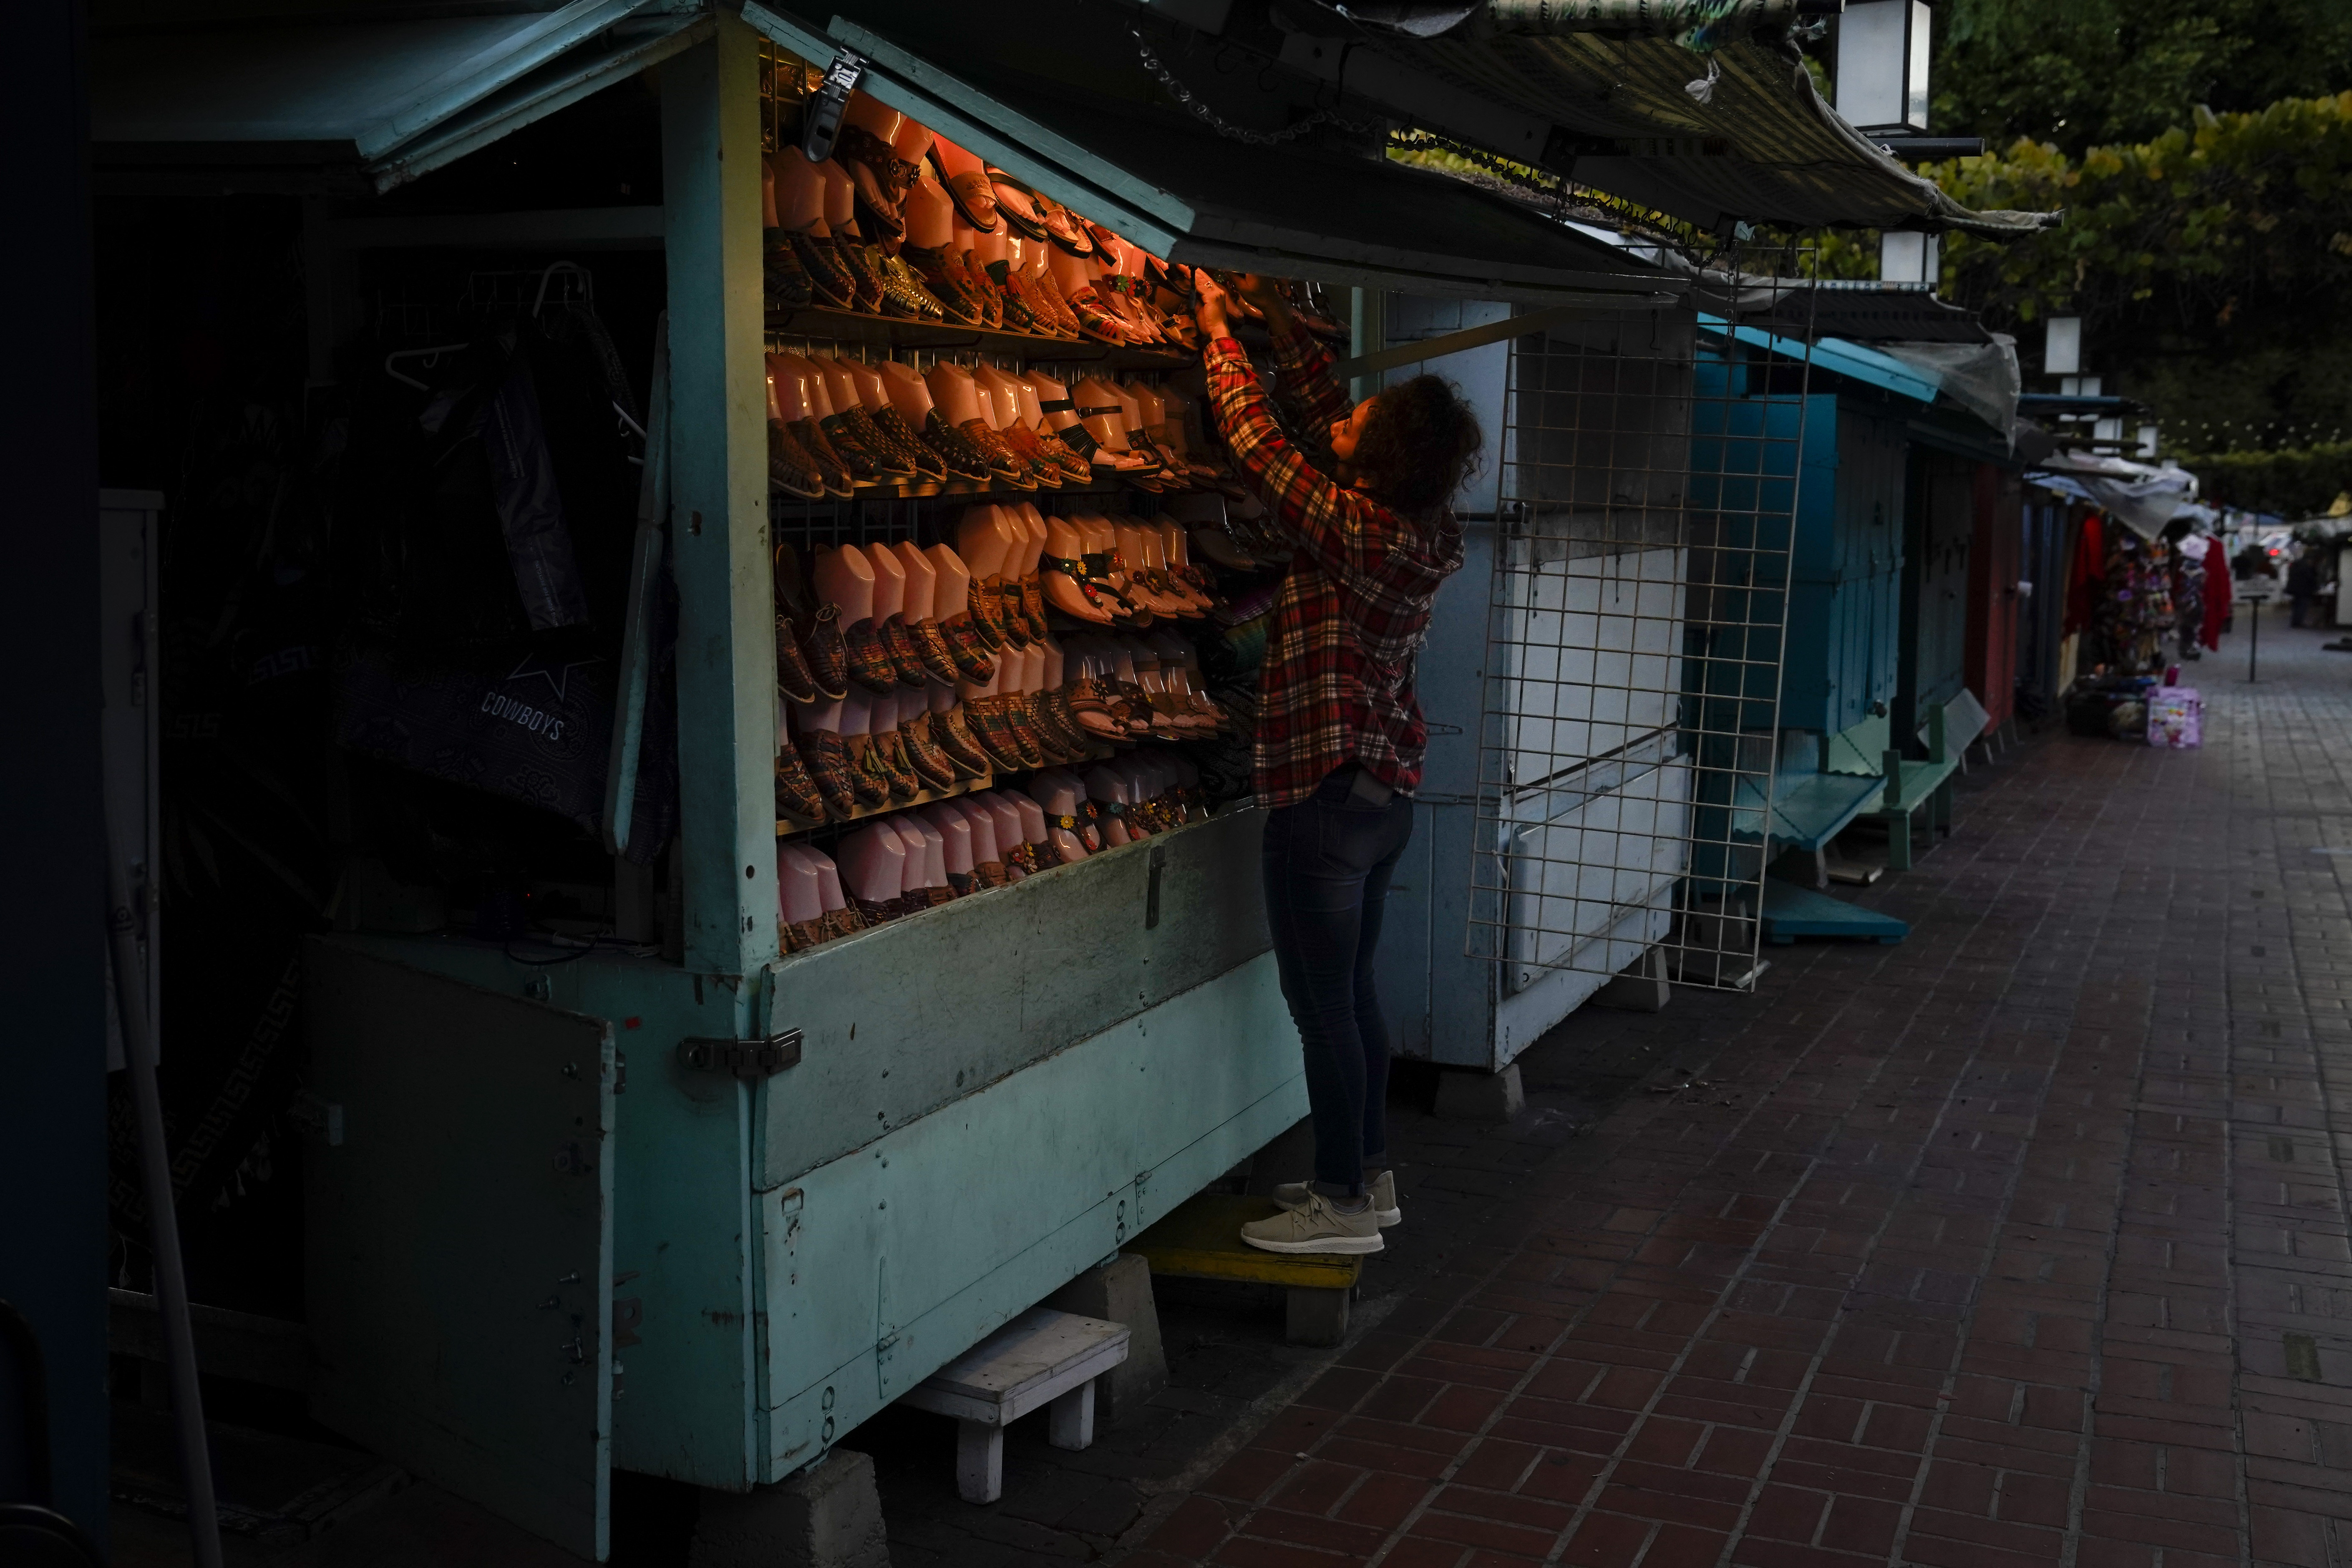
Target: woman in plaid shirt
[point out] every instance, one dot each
(1340, 737)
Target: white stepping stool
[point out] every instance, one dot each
(1042, 1357)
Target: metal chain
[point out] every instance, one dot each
(1227, 129)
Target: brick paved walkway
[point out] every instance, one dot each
(2023, 1242)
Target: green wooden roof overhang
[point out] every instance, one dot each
(318, 103)
(1604, 94)
(1053, 94)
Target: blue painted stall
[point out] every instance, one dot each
(700, 1217)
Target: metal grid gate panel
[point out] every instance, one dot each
(1645, 508)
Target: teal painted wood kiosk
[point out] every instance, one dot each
(1879, 606)
(701, 1215)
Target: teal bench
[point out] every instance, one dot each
(1905, 788)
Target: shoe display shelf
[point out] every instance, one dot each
(822, 322)
(786, 829)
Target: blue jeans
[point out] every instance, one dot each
(1328, 862)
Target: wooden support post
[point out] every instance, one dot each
(718, 452)
(1899, 817)
(1070, 1419)
(1313, 1316)
(979, 1461)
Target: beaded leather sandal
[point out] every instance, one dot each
(901, 649)
(792, 676)
(954, 735)
(830, 282)
(790, 468)
(870, 664)
(1091, 710)
(798, 800)
(827, 762)
(932, 647)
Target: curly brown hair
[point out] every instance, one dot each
(1420, 445)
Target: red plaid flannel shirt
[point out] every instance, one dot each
(1338, 684)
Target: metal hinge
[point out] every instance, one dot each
(747, 1059)
(824, 111)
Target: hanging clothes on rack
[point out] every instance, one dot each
(2218, 591)
(2189, 592)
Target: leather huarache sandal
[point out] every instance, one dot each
(900, 646)
(892, 424)
(967, 651)
(945, 284)
(791, 468)
(988, 874)
(827, 762)
(903, 293)
(827, 652)
(1024, 734)
(1053, 722)
(794, 680)
(930, 763)
(830, 280)
(995, 734)
(869, 771)
(798, 800)
(861, 446)
(869, 659)
(839, 480)
(987, 600)
(904, 783)
(954, 736)
(1004, 467)
(785, 284)
(1032, 602)
(930, 643)
(954, 448)
(857, 260)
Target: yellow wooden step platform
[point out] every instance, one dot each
(1201, 1240)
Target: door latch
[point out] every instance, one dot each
(747, 1059)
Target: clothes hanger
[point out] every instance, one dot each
(431, 357)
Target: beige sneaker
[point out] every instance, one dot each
(1293, 1195)
(1316, 1227)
